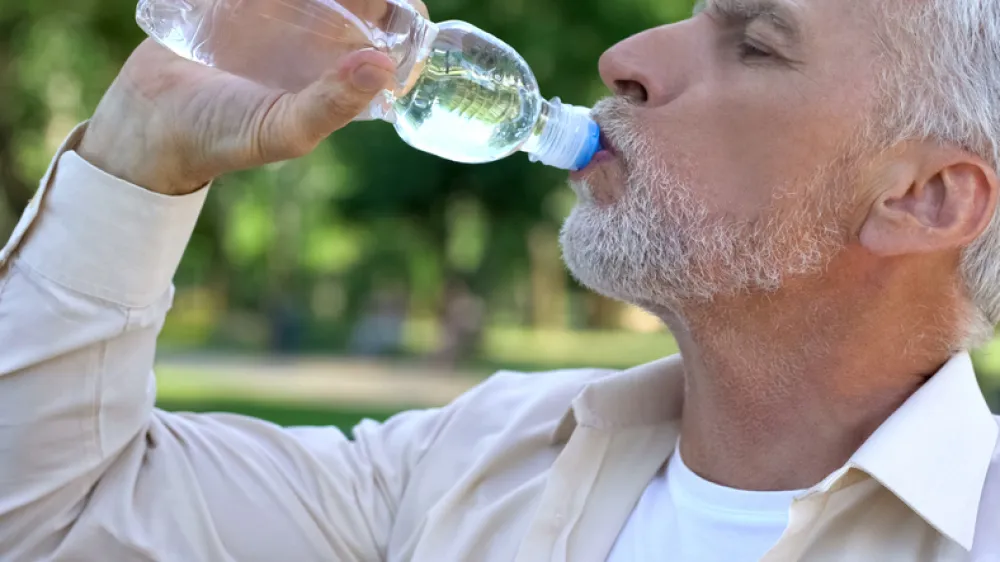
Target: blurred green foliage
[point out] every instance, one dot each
(288, 414)
(295, 255)
(367, 231)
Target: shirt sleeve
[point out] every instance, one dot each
(91, 470)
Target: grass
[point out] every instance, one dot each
(533, 349)
(281, 413)
(504, 348)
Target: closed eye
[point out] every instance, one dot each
(751, 50)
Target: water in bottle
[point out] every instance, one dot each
(460, 92)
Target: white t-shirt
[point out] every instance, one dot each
(682, 517)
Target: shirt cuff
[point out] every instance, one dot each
(104, 237)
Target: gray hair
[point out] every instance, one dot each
(942, 82)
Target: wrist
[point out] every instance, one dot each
(128, 155)
(147, 177)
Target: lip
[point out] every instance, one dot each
(607, 144)
(607, 153)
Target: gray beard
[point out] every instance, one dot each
(658, 246)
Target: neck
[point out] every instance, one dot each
(782, 389)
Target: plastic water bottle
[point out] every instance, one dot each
(460, 92)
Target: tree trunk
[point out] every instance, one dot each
(548, 279)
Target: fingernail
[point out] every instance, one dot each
(370, 78)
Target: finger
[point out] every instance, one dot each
(375, 10)
(420, 7)
(299, 122)
(368, 10)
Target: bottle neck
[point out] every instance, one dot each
(407, 37)
(411, 55)
(534, 142)
(564, 136)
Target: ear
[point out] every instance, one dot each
(933, 199)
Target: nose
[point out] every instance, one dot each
(648, 68)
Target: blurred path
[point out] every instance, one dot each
(322, 381)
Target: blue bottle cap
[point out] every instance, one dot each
(591, 146)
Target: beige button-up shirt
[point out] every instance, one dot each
(525, 468)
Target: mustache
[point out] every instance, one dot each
(621, 129)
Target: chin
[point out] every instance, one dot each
(636, 253)
(601, 187)
(594, 262)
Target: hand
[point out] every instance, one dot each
(171, 125)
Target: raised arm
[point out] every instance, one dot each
(89, 469)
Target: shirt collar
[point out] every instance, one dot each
(933, 453)
(645, 395)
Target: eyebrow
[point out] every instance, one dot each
(778, 14)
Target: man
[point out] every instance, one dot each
(804, 191)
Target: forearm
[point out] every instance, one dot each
(84, 287)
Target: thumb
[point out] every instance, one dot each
(301, 121)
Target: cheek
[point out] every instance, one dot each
(737, 145)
